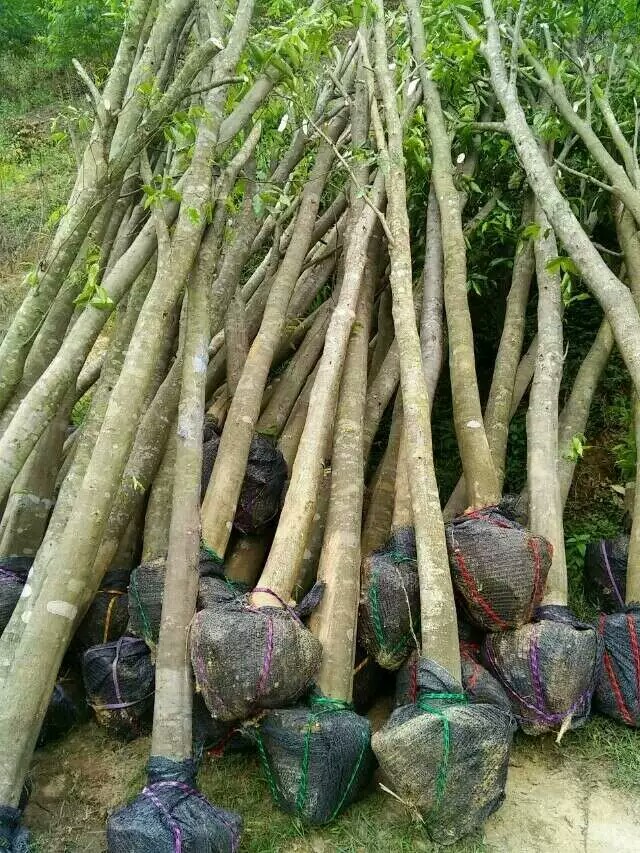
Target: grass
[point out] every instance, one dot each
(36, 171)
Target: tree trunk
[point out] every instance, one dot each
(545, 505)
(439, 622)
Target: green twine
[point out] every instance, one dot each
(443, 767)
(325, 705)
(376, 616)
(211, 554)
(147, 633)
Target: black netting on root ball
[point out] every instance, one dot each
(369, 681)
(13, 576)
(548, 669)
(108, 615)
(317, 760)
(119, 678)
(62, 714)
(389, 610)
(515, 507)
(264, 481)
(245, 658)
(618, 690)
(146, 588)
(172, 816)
(499, 569)
(14, 838)
(214, 737)
(478, 684)
(446, 757)
(605, 572)
(215, 590)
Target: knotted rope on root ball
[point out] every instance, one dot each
(605, 572)
(389, 610)
(262, 487)
(479, 686)
(13, 576)
(446, 757)
(13, 837)
(499, 569)
(119, 678)
(245, 658)
(172, 816)
(618, 689)
(317, 760)
(107, 617)
(549, 669)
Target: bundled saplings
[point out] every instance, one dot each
(446, 758)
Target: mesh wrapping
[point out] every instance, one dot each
(605, 572)
(446, 757)
(245, 658)
(62, 714)
(13, 837)
(389, 581)
(13, 575)
(498, 568)
(618, 689)
(369, 681)
(172, 816)
(548, 669)
(119, 678)
(214, 736)
(317, 760)
(107, 617)
(264, 480)
(146, 589)
(478, 684)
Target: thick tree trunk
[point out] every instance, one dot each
(480, 474)
(334, 622)
(545, 505)
(174, 690)
(157, 520)
(379, 515)
(439, 622)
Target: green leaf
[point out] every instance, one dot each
(101, 298)
(258, 206)
(554, 265)
(531, 231)
(194, 215)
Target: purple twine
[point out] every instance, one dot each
(534, 665)
(539, 713)
(266, 663)
(114, 672)
(607, 566)
(173, 825)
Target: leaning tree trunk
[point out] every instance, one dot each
(545, 504)
(71, 582)
(438, 615)
(221, 498)
(480, 473)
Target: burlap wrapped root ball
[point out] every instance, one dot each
(445, 757)
(389, 610)
(549, 669)
(172, 816)
(119, 678)
(108, 616)
(263, 484)
(245, 658)
(605, 572)
(13, 576)
(618, 690)
(317, 759)
(499, 568)
(479, 686)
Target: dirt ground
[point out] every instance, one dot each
(555, 802)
